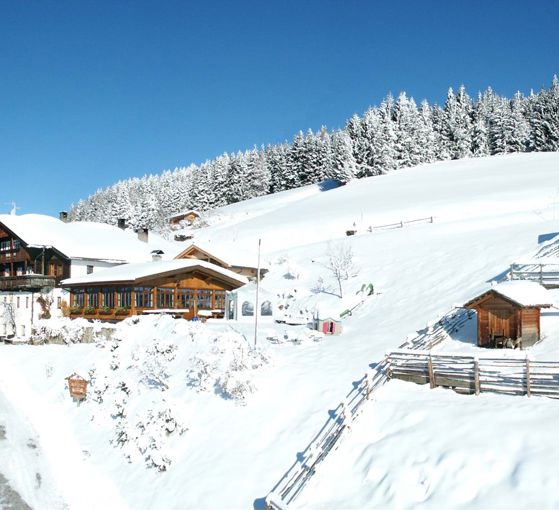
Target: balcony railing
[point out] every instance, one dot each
(29, 282)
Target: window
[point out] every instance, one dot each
(124, 297)
(59, 302)
(185, 298)
(204, 299)
(266, 308)
(165, 298)
(108, 297)
(19, 270)
(5, 245)
(247, 309)
(219, 299)
(79, 297)
(89, 269)
(17, 302)
(144, 297)
(26, 301)
(92, 298)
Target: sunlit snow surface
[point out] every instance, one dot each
(412, 446)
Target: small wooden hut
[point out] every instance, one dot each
(328, 325)
(509, 314)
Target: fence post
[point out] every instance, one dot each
(476, 375)
(401, 224)
(431, 219)
(432, 382)
(541, 274)
(367, 385)
(528, 386)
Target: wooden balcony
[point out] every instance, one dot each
(28, 282)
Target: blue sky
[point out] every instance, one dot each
(92, 92)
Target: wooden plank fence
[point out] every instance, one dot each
(399, 224)
(545, 274)
(302, 470)
(470, 374)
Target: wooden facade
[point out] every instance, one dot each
(188, 216)
(195, 252)
(185, 294)
(24, 267)
(502, 321)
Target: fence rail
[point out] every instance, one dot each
(545, 273)
(298, 475)
(470, 374)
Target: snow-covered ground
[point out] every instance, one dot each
(411, 446)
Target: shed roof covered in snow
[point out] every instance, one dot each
(520, 292)
(83, 239)
(139, 272)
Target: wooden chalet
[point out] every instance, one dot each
(243, 268)
(187, 216)
(508, 314)
(186, 288)
(29, 267)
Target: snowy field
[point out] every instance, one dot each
(185, 416)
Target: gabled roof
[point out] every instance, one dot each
(194, 247)
(83, 239)
(185, 213)
(229, 256)
(140, 272)
(519, 292)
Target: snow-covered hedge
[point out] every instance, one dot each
(227, 366)
(68, 331)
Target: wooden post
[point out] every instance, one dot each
(528, 387)
(476, 376)
(367, 386)
(432, 382)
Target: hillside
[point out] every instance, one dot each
(486, 213)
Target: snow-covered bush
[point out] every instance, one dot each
(68, 331)
(144, 436)
(227, 367)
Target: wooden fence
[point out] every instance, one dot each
(545, 274)
(302, 470)
(470, 374)
(399, 224)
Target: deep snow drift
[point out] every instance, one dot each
(213, 450)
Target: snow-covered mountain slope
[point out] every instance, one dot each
(486, 213)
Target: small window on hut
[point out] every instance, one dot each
(247, 309)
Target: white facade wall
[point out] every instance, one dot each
(79, 267)
(20, 310)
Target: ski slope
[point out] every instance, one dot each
(486, 214)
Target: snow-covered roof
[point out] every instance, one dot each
(184, 213)
(134, 272)
(524, 293)
(230, 254)
(83, 239)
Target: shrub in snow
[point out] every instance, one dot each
(153, 360)
(227, 367)
(144, 436)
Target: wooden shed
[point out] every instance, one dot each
(509, 314)
(328, 325)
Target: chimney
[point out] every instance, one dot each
(121, 223)
(143, 234)
(156, 255)
(63, 216)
